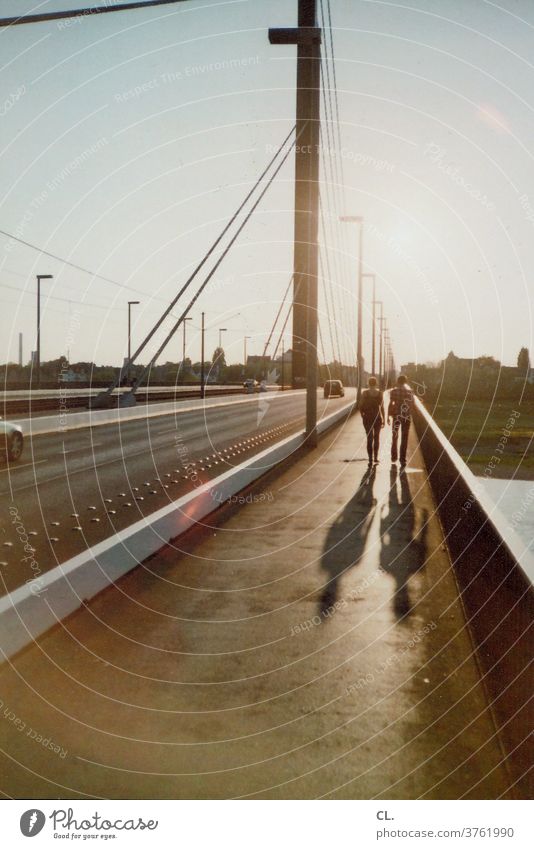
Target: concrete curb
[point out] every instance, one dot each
(473, 490)
(494, 571)
(30, 610)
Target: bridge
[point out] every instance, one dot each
(217, 596)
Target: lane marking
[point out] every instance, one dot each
(14, 467)
(79, 448)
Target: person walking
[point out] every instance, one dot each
(372, 410)
(400, 409)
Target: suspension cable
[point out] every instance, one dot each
(280, 308)
(219, 261)
(87, 12)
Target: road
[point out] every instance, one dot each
(72, 490)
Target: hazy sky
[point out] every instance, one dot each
(128, 139)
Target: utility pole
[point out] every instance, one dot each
(386, 356)
(357, 219)
(38, 352)
(128, 367)
(189, 318)
(245, 338)
(307, 37)
(381, 321)
(373, 302)
(374, 325)
(202, 387)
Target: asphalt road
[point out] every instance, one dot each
(72, 490)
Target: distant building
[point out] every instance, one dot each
(257, 361)
(467, 365)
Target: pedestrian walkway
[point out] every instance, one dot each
(311, 646)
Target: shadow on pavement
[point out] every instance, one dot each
(403, 533)
(346, 539)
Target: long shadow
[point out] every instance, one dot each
(346, 539)
(403, 539)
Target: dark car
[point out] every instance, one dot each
(250, 385)
(13, 440)
(333, 388)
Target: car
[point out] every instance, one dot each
(14, 440)
(333, 387)
(249, 385)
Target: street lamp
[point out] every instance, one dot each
(373, 322)
(38, 352)
(183, 348)
(386, 357)
(358, 219)
(130, 304)
(381, 322)
(202, 333)
(221, 331)
(245, 354)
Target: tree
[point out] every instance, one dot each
(218, 359)
(523, 361)
(233, 373)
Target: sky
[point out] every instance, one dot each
(129, 139)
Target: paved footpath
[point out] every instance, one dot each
(313, 645)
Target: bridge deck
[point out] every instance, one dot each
(312, 645)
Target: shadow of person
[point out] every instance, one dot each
(403, 533)
(346, 539)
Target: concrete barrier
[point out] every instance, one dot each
(495, 574)
(32, 609)
(60, 423)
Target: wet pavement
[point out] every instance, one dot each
(311, 645)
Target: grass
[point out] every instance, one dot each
(477, 431)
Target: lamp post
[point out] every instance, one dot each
(373, 302)
(245, 354)
(358, 219)
(381, 321)
(130, 305)
(189, 318)
(386, 357)
(38, 351)
(202, 331)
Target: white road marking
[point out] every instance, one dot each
(16, 466)
(79, 448)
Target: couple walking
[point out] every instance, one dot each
(399, 409)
